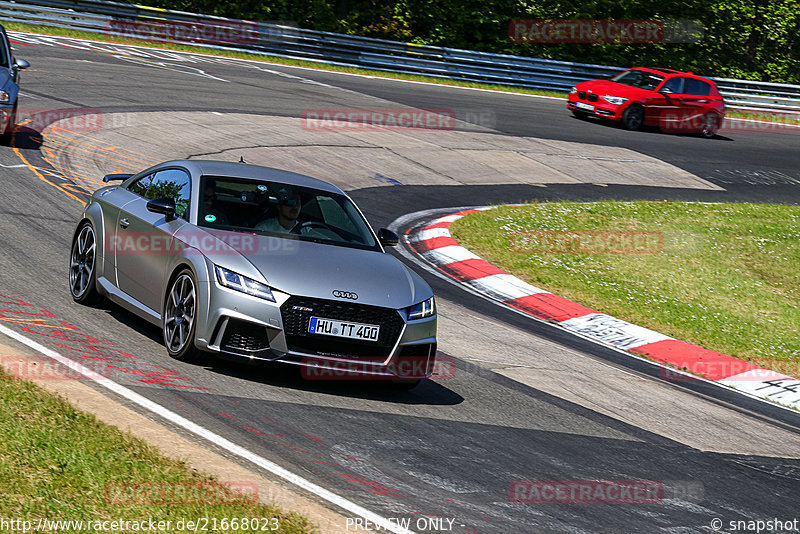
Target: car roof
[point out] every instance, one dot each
(670, 72)
(247, 171)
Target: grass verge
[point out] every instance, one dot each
(61, 464)
(726, 277)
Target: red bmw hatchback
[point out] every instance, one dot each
(672, 100)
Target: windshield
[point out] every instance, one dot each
(638, 78)
(282, 210)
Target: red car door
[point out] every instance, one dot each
(696, 103)
(668, 106)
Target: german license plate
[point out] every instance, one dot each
(582, 105)
(331, 327)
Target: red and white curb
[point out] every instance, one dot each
(433, 242)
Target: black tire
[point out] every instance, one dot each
(633, 118)
(580, 114)
(83, 265)
(711, 124)
(179, 318)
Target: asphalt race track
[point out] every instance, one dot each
(524, 402)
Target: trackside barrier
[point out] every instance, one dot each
(288, 41)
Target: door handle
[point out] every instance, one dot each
(124, 223)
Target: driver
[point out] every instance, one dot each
(288, 210)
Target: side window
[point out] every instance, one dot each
(673, 86)
(697, 87)
(172, 183)
(4, 51)
(140, 186)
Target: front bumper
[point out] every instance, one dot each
(600, 109)
(6, 117)
(239, 325)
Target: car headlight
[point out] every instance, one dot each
(424, 309)
(573, 90)
(237, 282)
(616, 100)
(5, 98)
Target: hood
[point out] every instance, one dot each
(315, 270)
(607, 87)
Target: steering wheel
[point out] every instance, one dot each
(311, 225)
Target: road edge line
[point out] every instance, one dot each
(210, 436)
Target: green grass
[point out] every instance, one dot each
(789, 119)
(727, 278)
(62, 464)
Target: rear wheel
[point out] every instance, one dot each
(179, 318)
(82, 265)
(710, 125)
(633, 118)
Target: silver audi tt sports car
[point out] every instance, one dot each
(259, 263)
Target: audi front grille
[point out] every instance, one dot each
(298, 311)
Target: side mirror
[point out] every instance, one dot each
(388, 238)
(116, 177)
(20, 64)
(164, 206)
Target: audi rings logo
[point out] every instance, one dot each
(344, 294)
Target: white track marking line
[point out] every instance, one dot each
(267, 62)
(216, 439)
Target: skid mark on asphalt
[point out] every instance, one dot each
(100, 355)
(78, 183)
(38, 171)
(317, 452)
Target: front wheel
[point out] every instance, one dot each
(633, 118)
(82, 265)
(179, 318)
